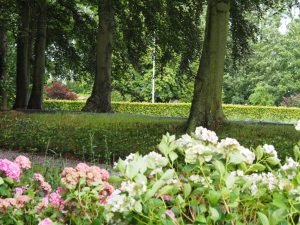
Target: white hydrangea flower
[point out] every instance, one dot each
(185, 140)
(249, 156)
(129, 158)
(132, 188)
(290, 168)
(270, 149)
(297, 126)
(156, 171)
(198, 151)
(206, 135)
(228, 143)
(155, 160)
(197, 179)
(119, 203)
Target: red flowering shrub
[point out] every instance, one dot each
(59, 91)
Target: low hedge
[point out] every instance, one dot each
(233, 112)
(117, 135)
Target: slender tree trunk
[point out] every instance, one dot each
(3, 46)
(36, 97)
(22, 81)
(100, 100)
(206, 109)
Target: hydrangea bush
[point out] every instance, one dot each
(195, 179)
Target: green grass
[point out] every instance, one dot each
(107, 137)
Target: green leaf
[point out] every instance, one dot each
(214, 214)
(219, 166)
(163, 148)
(115, 180)
(173, 156)
(98, 221)
(187, 189)
(259, 152)
(214, 197)
(131, 171)
(263, 218)
(138, 207)
(1, 181)
(273, 161)
(200, 219)
(230, 180)
(257, 168)
(168, 174)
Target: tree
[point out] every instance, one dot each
(100, 100)
(207, 101)
(36, 96)
(22, 77)
(206, 109)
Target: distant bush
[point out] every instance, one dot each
(292, 101)
(59, 91)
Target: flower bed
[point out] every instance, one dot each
(196, 179)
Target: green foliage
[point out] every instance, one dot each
(233, 112)
(116, 135)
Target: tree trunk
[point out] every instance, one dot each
(100, 99)
(206, 109)
(22, 81)
(36, 97)
(3, 45)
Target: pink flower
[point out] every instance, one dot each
(23, 162)
(19, 191)
(10, 169)
(169, 213)
(46, 221)
(38, 177)
(166, 197)
(56, 199)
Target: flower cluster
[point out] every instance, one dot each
(92, 174)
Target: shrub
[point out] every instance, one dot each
(233, 112)
(59, 91)
(117, 135)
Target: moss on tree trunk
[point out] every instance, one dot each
(100, 99)
(206, 109)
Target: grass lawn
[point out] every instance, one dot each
(109, 136)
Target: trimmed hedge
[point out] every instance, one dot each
(233, 112)
(116, 135)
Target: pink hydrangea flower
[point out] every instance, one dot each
(46, 221)
(170, 214)
(166, 197)
(23, 162)
(10, 169)
(19, 191)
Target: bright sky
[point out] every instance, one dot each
(285, 20)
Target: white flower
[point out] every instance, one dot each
(297, 126)
(119, 203)
(206, 135)
(132, 188)
(196, 179)
(269, 149)
(249, 156)
(290, 168)
(155, 160)
(184, 140)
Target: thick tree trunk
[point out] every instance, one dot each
(3, 45)
(22, 81)
(206, 109)
(100, 99)
(36, 97)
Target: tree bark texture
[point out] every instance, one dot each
(100, 99)
(22, 79)
(36, 97)
(206, 109)
(3, 46)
